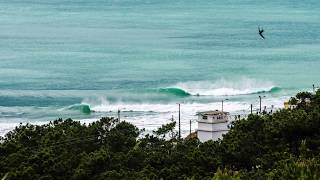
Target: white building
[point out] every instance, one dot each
(212, 125)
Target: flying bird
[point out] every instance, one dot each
(260, 32)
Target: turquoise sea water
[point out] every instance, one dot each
(145, 56)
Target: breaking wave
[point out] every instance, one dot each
(83, 108)
(224, 88)
(218, 92)
(174, 91)
(272, 90)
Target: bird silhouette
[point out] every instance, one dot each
(260, 32)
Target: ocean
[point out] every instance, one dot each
(63, 58)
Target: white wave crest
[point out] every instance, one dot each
(223, 87)
(189, 108)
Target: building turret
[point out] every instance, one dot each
(212, 125)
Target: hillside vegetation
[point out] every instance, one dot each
(284, 145)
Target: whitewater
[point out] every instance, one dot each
(88, 59)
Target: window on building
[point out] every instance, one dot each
(204, 117)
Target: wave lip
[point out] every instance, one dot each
(174, 91)
(84, 108)
(180, 92)
(227, 88)
(235, 92)
(274, 89)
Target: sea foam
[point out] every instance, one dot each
(242, 86)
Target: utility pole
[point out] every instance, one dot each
(212, 131)
(222, 104)
(179, 123)
(314, 89)
(260, 104)
(251, 108)
(190, 127)
(260, 97)
(119, 115)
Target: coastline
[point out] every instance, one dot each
(149, 117)
(258, 146)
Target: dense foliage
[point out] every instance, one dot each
(284, 145)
